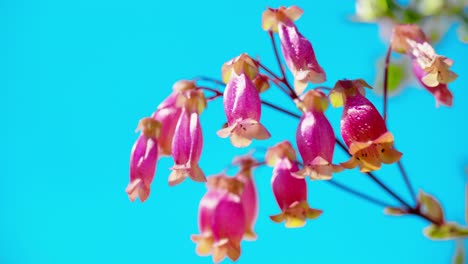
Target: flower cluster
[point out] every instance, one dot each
(228, 210)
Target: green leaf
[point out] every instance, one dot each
(459, 257)
(395, 211)
(447, 231)
(462, 33)
(397, 75)
(431, 207)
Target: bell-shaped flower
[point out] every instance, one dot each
(272, 17)
(168, 113)
(187, 143)
(290, 192)
(315, 138)
(143, 160)
(441, 92)
(242, 106)
(363, 128)
(436, 67)
(221, 220)
(249, 196)
(299, 56)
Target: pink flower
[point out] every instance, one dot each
(187, 143)
(167, 113)
(315, 138)
(249, 196)
(441, 92)
(143, 160)
(299, 56)
(221, 221)
(362, 128)
(290, 192)
(242, 106)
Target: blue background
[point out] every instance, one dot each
(76, 76)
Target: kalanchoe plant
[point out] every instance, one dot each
(430, 69)
(222, 220)
(143, 159)
(297, 50)
(363, 129)
(242, 105)
(290, 192)
(229, 209)
(315, 138)
(187, 143)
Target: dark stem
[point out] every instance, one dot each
(275, 79)
(293, 94)
(407, 182)
(209, 79)
(385, 82)
(280, 109)
(357, 193)
(345, 149)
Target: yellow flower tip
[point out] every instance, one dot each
(183, 85)
(240, 64)
(149, 127)
(345, 88)
(314, 100)
(204, 243)
(281, 150)
(250, 234)
(277, 218)
(271, 17)
(192, 100)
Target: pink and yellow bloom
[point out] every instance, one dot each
(143, 160)
(187, 143)
(290, 192)
(315, 138)
(242, 106)
(221, 219)
(362, 128)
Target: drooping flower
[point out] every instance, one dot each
(315, 138)
(249, 196)
(437, 67)
(187, 143)
(362, 128)
(143, 160)
(297, 50)
(441, 92)
(290, 192)
(300, 57)
(431, 70)
(242, 106)
(221, 220)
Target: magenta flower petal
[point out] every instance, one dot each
(365, 133)
(242, 106)
(168, 114)
(143, 160)
(291, 195)
(186, 149)
(299, 56)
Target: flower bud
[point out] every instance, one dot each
(143, 160)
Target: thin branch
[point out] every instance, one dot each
(385, 82)
(376, 180)
(280, 109)
(357, 193)
(407, 182)
(209, 79)
(274, 78)
(283, 79)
